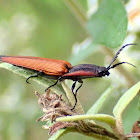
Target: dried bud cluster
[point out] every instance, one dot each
(53, 106)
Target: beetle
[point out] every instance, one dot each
(60, 70)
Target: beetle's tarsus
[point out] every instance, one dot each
(39, 73)
(52, 85)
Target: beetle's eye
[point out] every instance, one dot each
(104, 73)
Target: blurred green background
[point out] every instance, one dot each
(48, 28)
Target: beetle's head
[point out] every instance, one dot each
(103, 71)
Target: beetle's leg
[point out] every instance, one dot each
(72, 89)
(39, 73)
(78, 87)
(73, 86)
(53, 84)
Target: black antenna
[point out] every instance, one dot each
(115, 65)
(115, 57)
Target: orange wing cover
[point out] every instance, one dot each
(46, 65)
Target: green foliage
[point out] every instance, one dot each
(108, 25)
(125, 100)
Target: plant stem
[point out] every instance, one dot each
(78, 11)
(93, 135)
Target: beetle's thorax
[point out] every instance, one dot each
(103, 71)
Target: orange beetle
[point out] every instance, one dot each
(61, 70)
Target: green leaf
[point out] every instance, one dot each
(125, 100)
(97, 106)
(40, 80)
(108, 25)
(100, 117)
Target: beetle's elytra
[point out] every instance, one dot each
(47, 66)
(61, 70)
